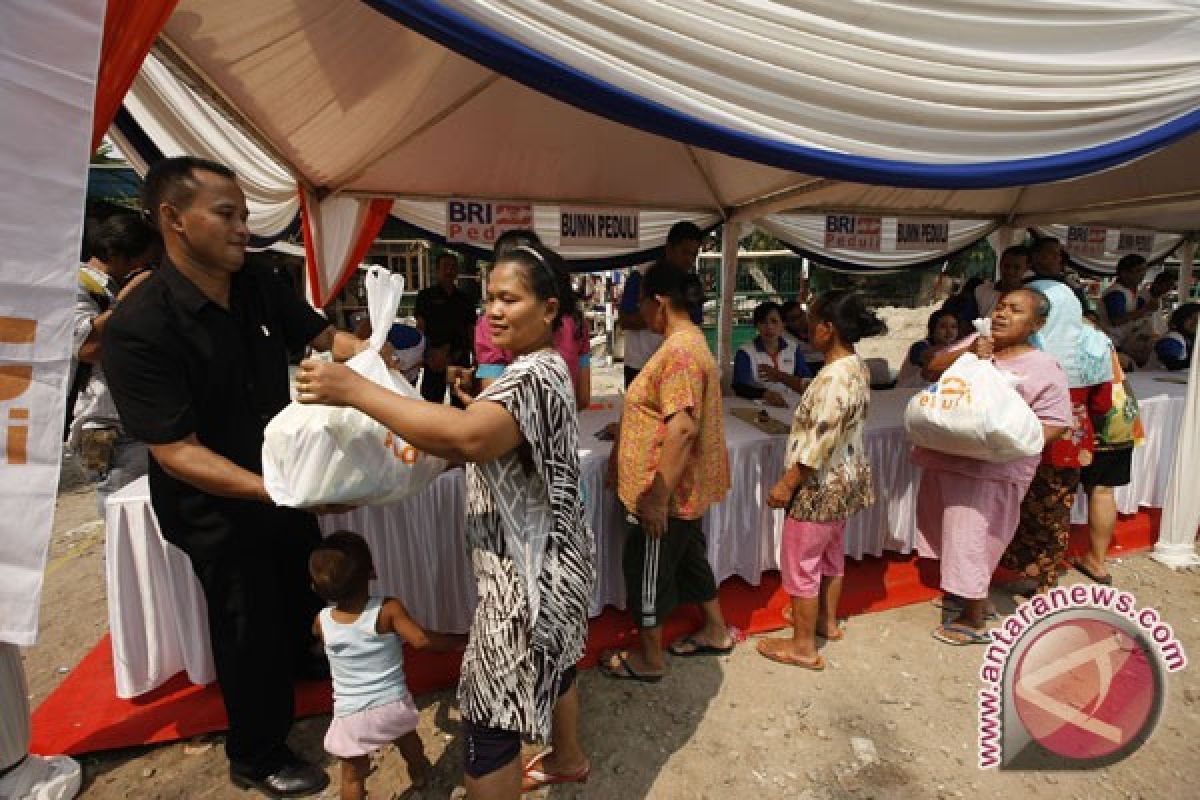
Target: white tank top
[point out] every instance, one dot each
(367, 667)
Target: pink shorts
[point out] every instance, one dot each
(811, 551)
(364, 732)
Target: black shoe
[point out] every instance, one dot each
(296, 778)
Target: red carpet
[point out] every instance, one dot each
(84, 715)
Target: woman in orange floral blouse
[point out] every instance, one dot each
(671, 465)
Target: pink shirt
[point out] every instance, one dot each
(575, 351)
(1043, 385)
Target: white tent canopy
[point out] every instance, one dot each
(944, 95)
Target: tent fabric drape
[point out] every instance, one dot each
(430, 217)
(337, 233)
(999, 94)
(806, 233)
(49, 52)
(1106, 264)
(177, 120)
(130, 27)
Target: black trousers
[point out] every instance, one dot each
(260, 614)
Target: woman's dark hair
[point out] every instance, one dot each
(763, 310)
(786, 308)
(123, 236)
(682, 289)
(547, 276)
(512, 239)
(1180, 315)
(684, 231)
(340, 566)
(935, 318)
(1130, 261)
(848, 314)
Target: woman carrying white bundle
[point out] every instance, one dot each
(968, 509)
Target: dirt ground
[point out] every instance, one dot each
(736, 726)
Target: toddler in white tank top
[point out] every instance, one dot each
(363, 637)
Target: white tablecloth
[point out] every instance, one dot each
(157, 612)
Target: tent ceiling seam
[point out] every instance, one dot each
(175, 59)
(770, 203)
(436, 119)
(708, 181)
(542, 201)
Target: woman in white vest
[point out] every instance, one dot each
(770, 367)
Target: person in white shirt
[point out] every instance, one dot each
(770, 368)
(1014, 263)
(681, 251)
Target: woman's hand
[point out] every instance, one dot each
(326, 383)
(768, 373)
(984, 347)
(652, 508)
(774, 398)
(462, 383)
(781, 493)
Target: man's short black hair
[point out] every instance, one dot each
(684, 232)
(1130, 261)
(1016, 251)
(1042, 242)
(173, 181)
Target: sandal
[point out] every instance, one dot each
(817, 664)
(959, 635)
(695, 647)
(1103, 580)
(535, 778)
(840, 626)
(952, 604)
(626, 673)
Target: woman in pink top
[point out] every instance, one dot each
(571, 342)
(967, 510)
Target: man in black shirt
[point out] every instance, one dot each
(196, 359)
(1049, 263)
(446, 315)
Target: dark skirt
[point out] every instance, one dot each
(1040, 543)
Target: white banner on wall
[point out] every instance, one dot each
(1086, 241)
(1135, 241)
(853, 232)
(481, 222)
(585, 226)
(49, 58)
(922, 234)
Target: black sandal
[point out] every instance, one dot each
(1103, 580)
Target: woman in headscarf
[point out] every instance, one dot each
(1084, 353)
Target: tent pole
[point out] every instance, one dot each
(1176, 546)
(1187, 259)
(729, 259)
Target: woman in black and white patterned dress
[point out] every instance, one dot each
(531, 551)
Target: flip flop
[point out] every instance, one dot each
(816, 665)
(1103, 580)
(535, 778)
(947, 602)
(969, 635)
(627, 672)
(698, 648)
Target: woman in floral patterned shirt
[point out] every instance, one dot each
(828, 478)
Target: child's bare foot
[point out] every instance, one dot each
(783, 651)
(830, 633)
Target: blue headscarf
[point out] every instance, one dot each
(1083, 351)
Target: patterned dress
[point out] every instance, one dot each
(531, 552)
(827, 436)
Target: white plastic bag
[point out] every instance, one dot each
(316, 455)
(974, 411)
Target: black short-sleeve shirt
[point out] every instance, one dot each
(449, 318)
(179, 364)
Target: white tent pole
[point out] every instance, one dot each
(1176, 546)
(1187, 259)
(729, 259)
